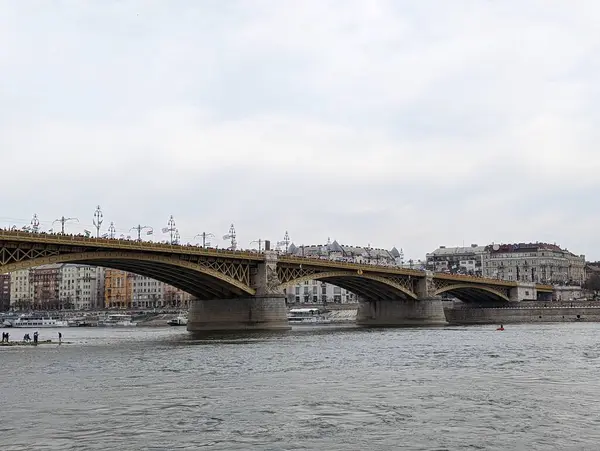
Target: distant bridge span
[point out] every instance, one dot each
(215, 274)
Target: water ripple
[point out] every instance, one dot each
(532, 387)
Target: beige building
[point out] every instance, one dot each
(534, 262)
(21, 289)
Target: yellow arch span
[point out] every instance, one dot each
(124, 256)
(472, 287)
(350, 275)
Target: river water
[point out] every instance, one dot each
(531, 387)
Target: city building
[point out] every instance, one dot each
(82, 287)
(524, 262)
(147, 292)
(46, 286)
(457, 260)
(118, 289)
(4, 292)
(174, 297)
(150, 293)
(318, 292)
(21, 289)
(353, 254)
(534, 262)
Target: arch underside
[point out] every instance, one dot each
(363, 286)
(193, 279)
(199, 285)
(475, 295)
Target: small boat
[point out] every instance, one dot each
(179, 321)
(116, 320)
(307, 316)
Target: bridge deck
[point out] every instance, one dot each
(111, 243)
(103, 244)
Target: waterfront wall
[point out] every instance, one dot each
(531, 314)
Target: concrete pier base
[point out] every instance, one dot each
(401, 312)
(253, 313)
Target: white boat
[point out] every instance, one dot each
(179, 321)
(35, 322)
(116, 320)
(307, 316)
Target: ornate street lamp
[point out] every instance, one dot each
(170, 228)
(231, 236)
(98, 220)
(35, 224)
(112, 230)
(285, 242)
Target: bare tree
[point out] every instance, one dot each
(593, 283)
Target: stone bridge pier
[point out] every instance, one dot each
(264, 311)
(426, 310)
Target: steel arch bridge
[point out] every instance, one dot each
(221, 274)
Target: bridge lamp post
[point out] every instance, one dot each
(204, 236)
(285, 242)
(98, 220)
(231, 236)
(112, 230)
(259, 241)
(177, 236)
(63, 221)
(170, 228)
(139, 229)
(35, 224)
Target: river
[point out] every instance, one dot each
(531, 387)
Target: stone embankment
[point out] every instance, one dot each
(525, 312)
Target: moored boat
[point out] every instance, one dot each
(307, 316)
(36, 322)
(116, 320)
(179, 321)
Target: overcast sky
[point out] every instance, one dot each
(391, 123)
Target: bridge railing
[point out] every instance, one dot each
(349, 265)
(252, 255)
(124, 243)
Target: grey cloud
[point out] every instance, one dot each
(411, 124)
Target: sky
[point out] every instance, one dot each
(399, 123)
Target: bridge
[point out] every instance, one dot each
(246, 290)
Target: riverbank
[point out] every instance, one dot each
(31, 343)
(524, 312)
